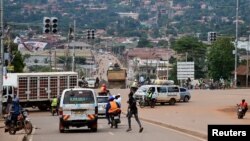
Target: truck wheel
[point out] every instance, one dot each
(42, 108)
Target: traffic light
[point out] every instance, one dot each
(93, 33)
(212, 36)
(88, 34)
(46, 25)
(54, 22)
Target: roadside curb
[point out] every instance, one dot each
(183, 130)
(186, 131)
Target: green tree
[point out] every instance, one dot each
(162, 43)
(18, 62)
(194, 50)
(143, 42)
(173, 73)
(17, 58)
(221, 59)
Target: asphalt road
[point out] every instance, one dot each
(47, 130)
(104, 61)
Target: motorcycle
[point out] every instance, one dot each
(115, 119)
(23, 122)
(147, 102)
(240, 112)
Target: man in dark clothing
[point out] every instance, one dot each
(97, 82)
(132, 110)
(16, 109)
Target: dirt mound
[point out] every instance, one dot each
(228, 109)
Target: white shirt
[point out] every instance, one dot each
(118, 101)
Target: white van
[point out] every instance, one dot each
(78, 108)
(163, 93)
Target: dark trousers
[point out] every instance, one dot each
(129, 116)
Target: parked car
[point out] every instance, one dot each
(102, 102)
(185, 94)
(164, 93)
(78, 108)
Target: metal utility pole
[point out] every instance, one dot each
(74, 39)
(50, 58)
(1, 57)
(55, 61)
(247, 70)
(236, 43)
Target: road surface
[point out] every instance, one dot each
(47, 130)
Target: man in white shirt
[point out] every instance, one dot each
(118, 99)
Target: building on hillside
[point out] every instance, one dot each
(242, 76)
(130, 14)
(149, 62)
(78, 45)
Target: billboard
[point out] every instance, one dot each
(185, 70)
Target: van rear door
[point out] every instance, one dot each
(79, 104)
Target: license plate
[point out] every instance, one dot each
(78, 112)
(116, 117)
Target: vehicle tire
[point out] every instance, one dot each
(61, 127)
(142, 104)
(116, 125)
(94, 129)
(172, 101)
(240, 116)
(113, 123)
(152, 104)
(4, 109)
(28, 127)
(12, 129)
(186, 99)
(42, 108)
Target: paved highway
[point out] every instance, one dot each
(47, 130)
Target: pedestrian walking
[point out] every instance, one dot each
(132, 110)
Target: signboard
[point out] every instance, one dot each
(185, 70)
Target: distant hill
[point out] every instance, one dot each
(156, 17)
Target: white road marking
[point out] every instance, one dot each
(111, 133)
(201, 139)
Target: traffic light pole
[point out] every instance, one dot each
(1, 57)
(73, 56)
